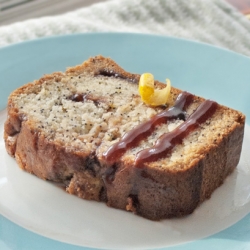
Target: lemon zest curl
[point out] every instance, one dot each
(150, 95)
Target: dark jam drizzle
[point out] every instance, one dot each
(168, 141)
(140, 132)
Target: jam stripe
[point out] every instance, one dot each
(168, 141)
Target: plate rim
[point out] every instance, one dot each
(110, 33)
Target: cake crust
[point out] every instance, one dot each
(161, 189)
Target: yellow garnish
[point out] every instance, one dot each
(150, 95)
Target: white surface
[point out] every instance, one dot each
(48, 210)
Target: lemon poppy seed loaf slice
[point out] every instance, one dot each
(88, 129)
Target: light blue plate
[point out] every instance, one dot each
(204, 70)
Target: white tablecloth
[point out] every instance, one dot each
(211, 21)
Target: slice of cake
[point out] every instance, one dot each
(89, 130)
